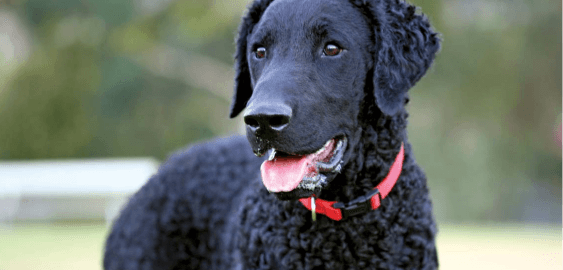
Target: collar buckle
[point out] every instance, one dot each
(357, 206)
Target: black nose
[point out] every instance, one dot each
(267, 117)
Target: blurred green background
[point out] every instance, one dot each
(95, 79)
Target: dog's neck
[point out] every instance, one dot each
(379, 140)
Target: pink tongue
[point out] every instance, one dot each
(283, 174)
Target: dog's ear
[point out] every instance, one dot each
(243, 86)
(405, 46)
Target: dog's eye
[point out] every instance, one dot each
(332, 50)
(260, 52)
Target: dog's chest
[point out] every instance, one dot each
(281, 235)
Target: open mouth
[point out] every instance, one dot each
(284, 172)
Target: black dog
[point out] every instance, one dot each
(324, 84)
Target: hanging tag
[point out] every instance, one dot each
(313, 209)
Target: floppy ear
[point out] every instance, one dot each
(405, 48)
(243, 86)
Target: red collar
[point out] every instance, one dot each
(338, 210)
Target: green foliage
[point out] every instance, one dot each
(122, 78)
(46, 111)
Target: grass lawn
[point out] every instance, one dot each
(32, 246)
(500, 247)
(66, 245)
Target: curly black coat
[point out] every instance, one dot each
(207, 208)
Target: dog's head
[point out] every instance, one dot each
(302, 70)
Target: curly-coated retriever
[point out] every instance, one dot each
(323, 85)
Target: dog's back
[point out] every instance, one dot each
(180, 218)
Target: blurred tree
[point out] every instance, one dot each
(123, 78)
(47, 112)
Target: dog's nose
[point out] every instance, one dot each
(267, 117)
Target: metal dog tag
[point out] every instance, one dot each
(313, 209)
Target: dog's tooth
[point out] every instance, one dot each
(324, 147)
(272, 154)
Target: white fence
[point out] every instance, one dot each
(70, 189)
